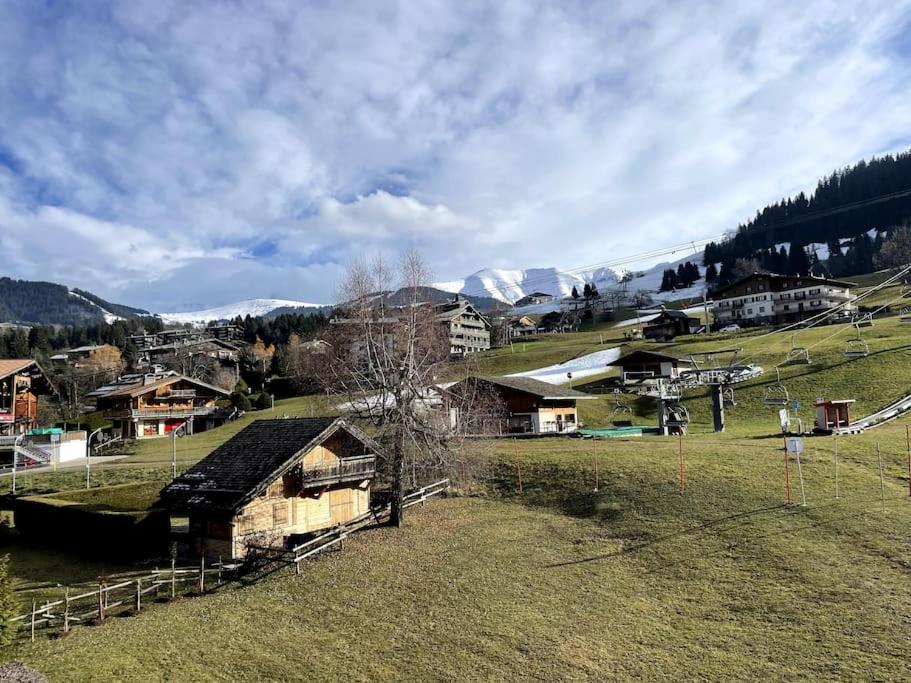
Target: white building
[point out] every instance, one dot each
(766, 299)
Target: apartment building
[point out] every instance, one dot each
(770, 299)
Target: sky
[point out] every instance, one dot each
(176, 155)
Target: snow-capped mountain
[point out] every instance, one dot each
(108, 316)
(252, 307)
(512, 285)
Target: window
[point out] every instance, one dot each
(279, 514)
(245, 524)
(762, 309)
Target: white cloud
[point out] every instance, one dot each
(172, 140)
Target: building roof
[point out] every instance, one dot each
(11, 367)
(810, 279)
(242, 467)
(15, 366)
(453, 309)
(535, 387)
(136, 385)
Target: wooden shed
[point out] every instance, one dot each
(273, 482)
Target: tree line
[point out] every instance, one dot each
(840, 212)
(686, 275)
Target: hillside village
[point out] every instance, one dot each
(455, 342)
(241, 452)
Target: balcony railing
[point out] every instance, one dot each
(347, 469)
(162, 412)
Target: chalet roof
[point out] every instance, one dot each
(245, 465)
(809, 280)
(138, 386)
(16, 366)
(642, 355)
(11, 367)
(535, 387)
(453, 309)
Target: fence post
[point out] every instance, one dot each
(66, 611)
(173, 578)
(101, 601)
(34, 606)
(219, 570)
(138, 595)
(882, 481)
(202, 574)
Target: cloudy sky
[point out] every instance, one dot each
(175, 155)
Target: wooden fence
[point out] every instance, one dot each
(95, 605)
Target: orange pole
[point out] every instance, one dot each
(518, 468)
(680, 457)
(787, 474)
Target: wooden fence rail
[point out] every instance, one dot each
(130, 592)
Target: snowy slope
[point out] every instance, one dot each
(253, 307)
(512, 285)
(108, 316)
(583, 366)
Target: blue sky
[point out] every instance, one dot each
(175, 155)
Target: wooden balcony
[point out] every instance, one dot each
(162, 412)
(348, 469)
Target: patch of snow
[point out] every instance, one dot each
(252, 307)
(108, 316)
(583, 366)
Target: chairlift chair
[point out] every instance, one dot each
(906, 290)
(677, 415)
(856, 348)
(776, 394)
(905, 315)
(865, 320)
(798, 355)
(727, 396)
(621, 408)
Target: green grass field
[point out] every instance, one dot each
(563, 582)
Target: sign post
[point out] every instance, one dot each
(794, 444)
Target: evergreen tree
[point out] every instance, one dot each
(587, 291)
(18, 345)
(711, 273)
(575, 293)
(798, 261)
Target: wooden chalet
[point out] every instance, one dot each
(669, 324)
(22, 382)
(640, 365)
(153, 405)
(273, 482)
(531, 406)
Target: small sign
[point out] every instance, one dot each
(794, 444)
(569, 375)
(795, 404)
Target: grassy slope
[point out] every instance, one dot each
(561, 582)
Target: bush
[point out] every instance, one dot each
(241, 401)
(263, 401)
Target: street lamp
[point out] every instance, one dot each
(88, 454)
(174, 448)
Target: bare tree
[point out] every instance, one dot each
(387, 360)
(896, 250)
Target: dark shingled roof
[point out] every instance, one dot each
(237, 470)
